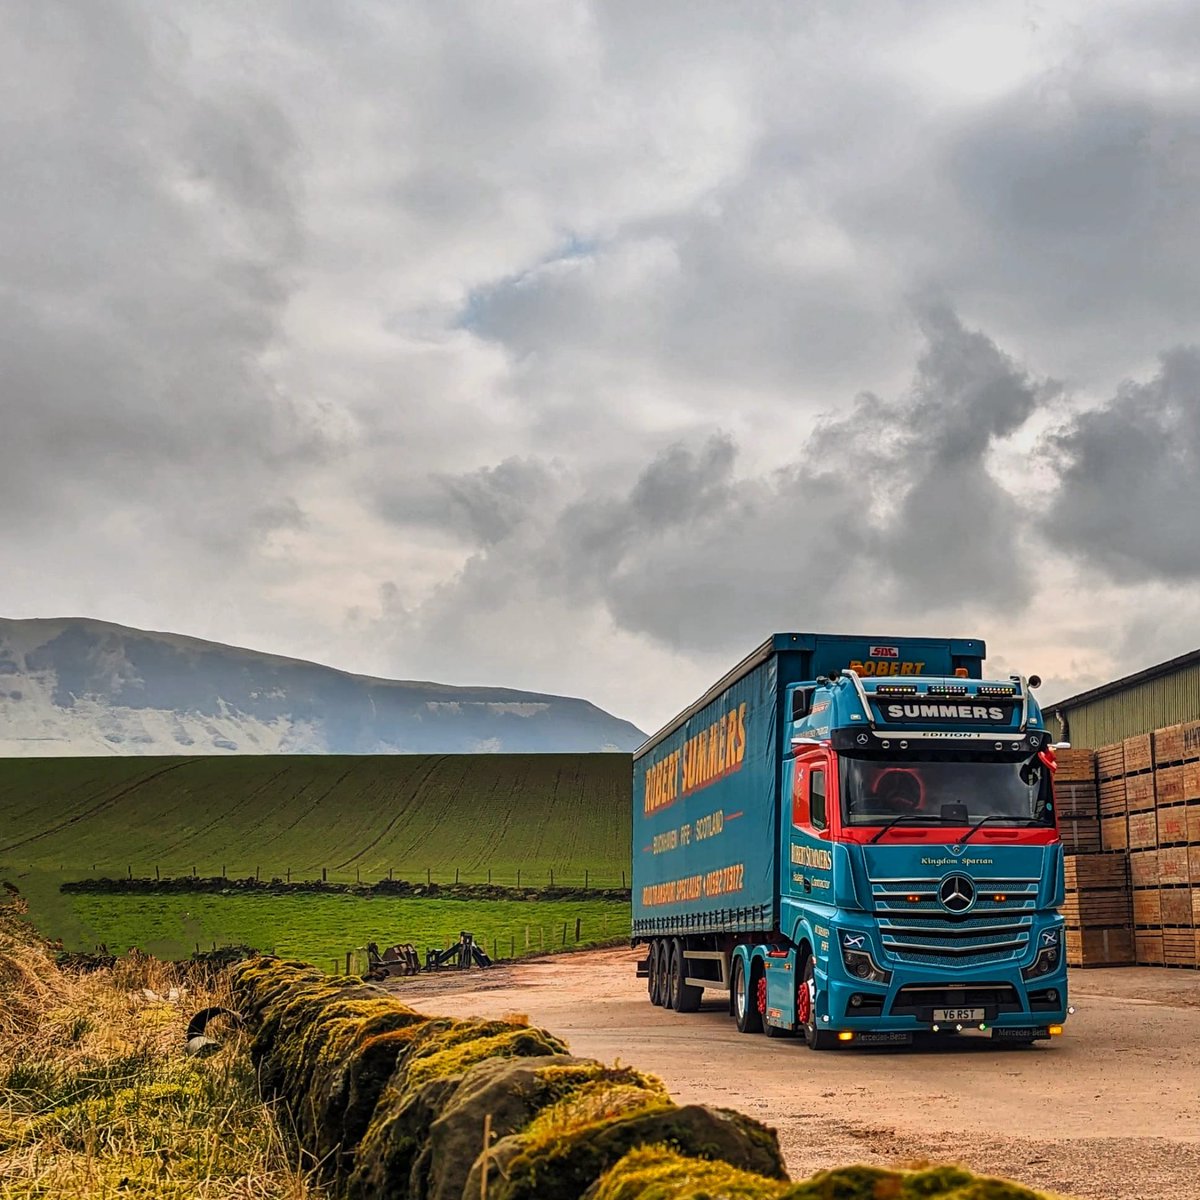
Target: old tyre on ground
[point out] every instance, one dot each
(806, 1015)
(745, 1006)
(684, 997)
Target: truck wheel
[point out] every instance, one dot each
(657, 972)
(806, 1013)
(684, 996)
(660, 973)
(651, 979)
(745, 1007)
(666, 967)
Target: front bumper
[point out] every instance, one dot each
(916, 1000)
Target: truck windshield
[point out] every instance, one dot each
(875, 790)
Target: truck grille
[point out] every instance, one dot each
(914, 927)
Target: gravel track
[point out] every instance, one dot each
(1109, 1111)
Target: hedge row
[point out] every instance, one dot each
(395, 1104)
(219, 884)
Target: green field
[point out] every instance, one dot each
(350, 817)
(322, 928)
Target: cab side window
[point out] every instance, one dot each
(816, 799)
(799, 798)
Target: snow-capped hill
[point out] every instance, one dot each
(72, 686)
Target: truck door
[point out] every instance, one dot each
(810, 864)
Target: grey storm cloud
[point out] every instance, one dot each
(1128, 499)
(148, 230)
(890, 501)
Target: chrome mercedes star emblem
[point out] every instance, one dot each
(957, 893)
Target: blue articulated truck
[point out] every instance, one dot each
(854, 840)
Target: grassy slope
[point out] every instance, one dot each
(407, 813)
(321, 928)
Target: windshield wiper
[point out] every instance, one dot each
(923, 817)
(998, 817)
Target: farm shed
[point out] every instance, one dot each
(1159, 696)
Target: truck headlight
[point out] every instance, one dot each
(1044, 964)
(858, 960)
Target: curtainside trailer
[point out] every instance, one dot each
(854, 840)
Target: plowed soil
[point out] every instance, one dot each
(1108, 1111)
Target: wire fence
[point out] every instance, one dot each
(511, 877)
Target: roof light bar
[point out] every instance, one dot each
(947, 689)
(897, 689)
(995, 689)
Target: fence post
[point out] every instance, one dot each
(335, 966)
(551, 876)
(324, 874)
(347, 962)
(289, 874)
(156, 874)
(526, 937)
(455, 874)
(512, 945)
(518, 877)
(585, 879)
(622, 880)
(564, 941)
(257, 874)
(357, 879)
(130, 869)
(489, 874)
(222, 870)
(577, 921)
(389, 874)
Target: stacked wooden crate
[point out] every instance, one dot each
(1110, 777)
(1177, 832)
(1076, 798)
(1097, 910)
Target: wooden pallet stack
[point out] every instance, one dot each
(1097, 910)
(1110, 781)
(1076, 797)
(1177, 825)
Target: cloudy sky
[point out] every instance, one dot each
(577, 346)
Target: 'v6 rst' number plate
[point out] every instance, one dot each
(958, 1014)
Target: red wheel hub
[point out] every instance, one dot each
(762, 994)
(803, 1003)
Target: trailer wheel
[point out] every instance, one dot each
(685, 997)
(745, 1006)
(806, 1013)
(657, 972)
(665, 966)
(660, 973)
(651, 977)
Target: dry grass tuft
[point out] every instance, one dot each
(98, 1098)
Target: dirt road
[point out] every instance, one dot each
(1109, 1111)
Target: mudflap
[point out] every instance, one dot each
(780, 966)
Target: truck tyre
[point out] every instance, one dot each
(806, 1013)
(684, 996)
(665, 965)
(651, 979)
(745, 1007)
(660, 973)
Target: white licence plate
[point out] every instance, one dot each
(958, 1014)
